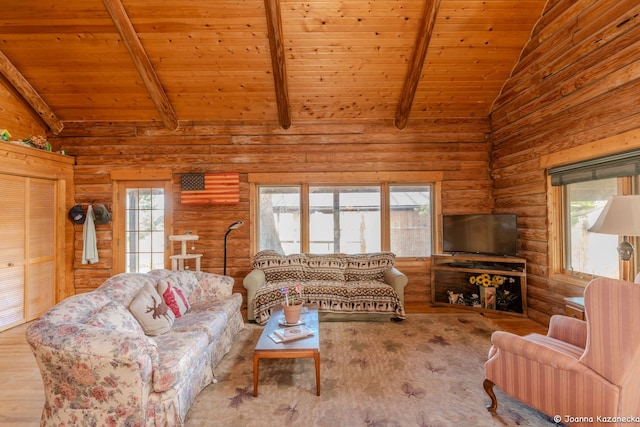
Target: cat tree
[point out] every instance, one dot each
(177, 261)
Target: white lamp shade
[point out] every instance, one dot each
(620, 216)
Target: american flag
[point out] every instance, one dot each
(209, 188)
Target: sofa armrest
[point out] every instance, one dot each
(568, 329)
(397, 280)
(534, 351)
(215, 286)
(83, 365)
(94, 342)
(252, 282)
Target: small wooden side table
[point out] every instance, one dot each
(574, 307)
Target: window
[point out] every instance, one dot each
(587, 252)
(410, 220)
(581, 191)
(345, 218)
(279, 219)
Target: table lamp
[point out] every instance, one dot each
(620, 216)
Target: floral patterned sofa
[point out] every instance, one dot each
(99, 365)
(361, 284)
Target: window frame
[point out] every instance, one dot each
(557, 220)
(382, 179)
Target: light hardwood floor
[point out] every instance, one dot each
(21, 394)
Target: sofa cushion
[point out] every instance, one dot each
(325, 267)
(124, 287)
(368, 266)
(229, 305)
(178, 353)
(173, 296)
(212, 286)
(114, 316)
(151, 312)
(187, 280)
(279, 267)
(212, 323)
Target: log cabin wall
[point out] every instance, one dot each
(459, 150)
(575, 86)
(573, 95)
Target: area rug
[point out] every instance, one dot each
(424, 371)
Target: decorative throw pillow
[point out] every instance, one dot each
(369, 266)
(212, 286)
(151, 312)
(278, 267)
(115, 317)
(173, 296)
(325, 267)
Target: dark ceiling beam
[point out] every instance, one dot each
(23, 88)
(142, 63)
(417, 61)
(274, 25)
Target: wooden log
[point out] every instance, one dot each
(278, 62)
(142, 63)
(29, 94)
(410, 86)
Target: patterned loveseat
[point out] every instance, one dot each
(104, 365)
(337, 283)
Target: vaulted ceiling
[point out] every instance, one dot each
(279, 63)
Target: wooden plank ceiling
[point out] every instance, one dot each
(172, 63)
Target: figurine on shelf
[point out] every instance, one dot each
(475, 301)
(455, 298)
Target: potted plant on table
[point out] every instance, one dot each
(292, 304)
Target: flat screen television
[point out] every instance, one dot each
(491, 234)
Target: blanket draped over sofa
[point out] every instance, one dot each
(337, 283)
(101, 365)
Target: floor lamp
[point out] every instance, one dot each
(233, 226)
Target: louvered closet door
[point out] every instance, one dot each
(12, 249)
(41, 275)
(27, 248)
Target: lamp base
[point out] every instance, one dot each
(625, 250)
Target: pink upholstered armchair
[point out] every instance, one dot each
(580, 370)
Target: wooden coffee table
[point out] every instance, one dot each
(308, 347)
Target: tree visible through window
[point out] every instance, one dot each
(279, 224)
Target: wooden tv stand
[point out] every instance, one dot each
(452, 273)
